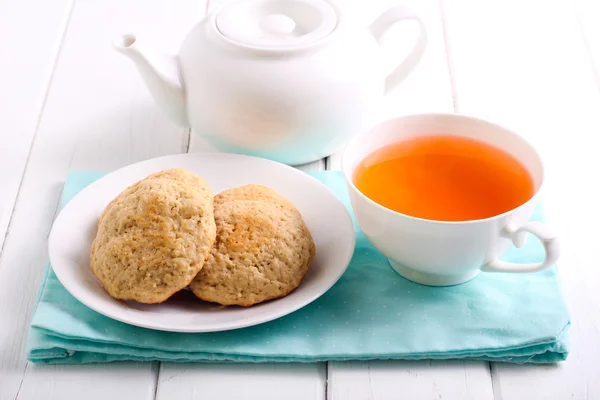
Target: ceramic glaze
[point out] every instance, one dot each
(330, 225)
(440, 253)
(290, 80)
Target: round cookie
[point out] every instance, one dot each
(180, 175)
(152, 240)
(252, 192)
(262, 252)
(185, 177)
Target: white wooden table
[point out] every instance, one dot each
(68, 101)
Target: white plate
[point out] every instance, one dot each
(329, 223)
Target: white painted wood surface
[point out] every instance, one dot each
(532, 71)
(245, 381)
(68, 101)
(425, 380)
(29, 45)
(97, 115)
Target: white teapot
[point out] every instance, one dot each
(287, 80)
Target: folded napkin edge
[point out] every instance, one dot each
(63, 357)
(82, 344)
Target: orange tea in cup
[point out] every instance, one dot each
(444, 178)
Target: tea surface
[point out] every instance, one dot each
(444, 178)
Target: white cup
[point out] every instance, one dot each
(440, 253)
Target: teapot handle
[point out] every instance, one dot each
(380, 26)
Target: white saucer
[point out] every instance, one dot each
(329, 222)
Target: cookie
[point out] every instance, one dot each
(252, 192)
(262, 252)
(185, 177)
(154, 237)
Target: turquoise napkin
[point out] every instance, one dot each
(371, 313)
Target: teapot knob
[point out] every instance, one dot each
(277, 24)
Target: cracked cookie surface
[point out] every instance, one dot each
(154, 237)
(262, 251)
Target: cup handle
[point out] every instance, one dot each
(385, 21)
(543, 233)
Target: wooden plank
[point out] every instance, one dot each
(530, 70)
(29, 45)
(588, 12)
(422, 379)
(427, 89)
(247, 381)
(123, 380)
(97, 115)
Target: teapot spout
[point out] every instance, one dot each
(161, 74)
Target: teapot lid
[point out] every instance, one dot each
(276, 24)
